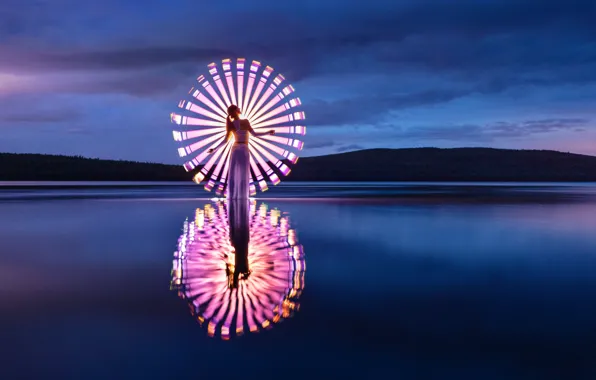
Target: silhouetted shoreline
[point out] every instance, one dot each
(414, 164)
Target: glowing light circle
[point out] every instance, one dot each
(220, 294)
(264, 98)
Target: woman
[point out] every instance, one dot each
(239, 173)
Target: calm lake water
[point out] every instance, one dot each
(402, 281)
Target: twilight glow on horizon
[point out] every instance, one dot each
(100, 79)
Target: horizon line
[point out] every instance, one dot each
(324, 155)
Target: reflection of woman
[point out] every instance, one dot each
(240, 266)
(239, 172)
(239, 222)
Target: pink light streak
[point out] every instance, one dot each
(209, 88)
(265, 96)
(214, 141)
(218, 169)
(298, 130)
(262, 82)
(276, 111)
(272, 87)
(199, 144)
(226, 64)
(270, 173)
(214, 157)
(274, 160)
(255, 95)
(188, 120)
(203, 99)
(281, 120)
(276, 99)
(230, 83)
(282, 152)
(261, 175)
(247, 95)
(278, 120)
(190, 106)
(224, 175)
(240, 79)
(182, 136)
(222, 90)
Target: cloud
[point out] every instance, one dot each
(349, 147)
(426, 33)
(489, 44)
(320, 144)
(40, 116)
(491, 131)
(78, 131)
(372, 109)
(144, 83)
(448, 37)
(508, 129)
(132, 58)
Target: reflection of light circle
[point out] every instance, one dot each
(205, 257)
(265, 99)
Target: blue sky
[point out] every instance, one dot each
(100, 79)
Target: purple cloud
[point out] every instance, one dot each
(349, 147)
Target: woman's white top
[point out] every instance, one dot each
(241, 135)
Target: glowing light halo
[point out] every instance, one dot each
(205, 261)
(264, 99)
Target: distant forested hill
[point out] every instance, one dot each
(458, 164)
(416, 164)
(41, 167)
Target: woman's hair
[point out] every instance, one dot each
(232, 115)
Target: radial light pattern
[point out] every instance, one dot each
(204, 265)
(265, 99)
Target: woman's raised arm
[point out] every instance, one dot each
(252, 131)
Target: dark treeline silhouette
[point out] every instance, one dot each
(458, 164)
(416, 164)
(41, 167)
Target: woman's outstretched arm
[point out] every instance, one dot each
(252, 131)
(225, 141)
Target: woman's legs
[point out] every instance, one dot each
(239, 173)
